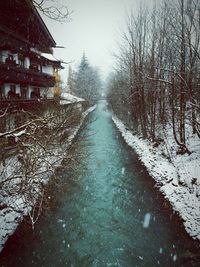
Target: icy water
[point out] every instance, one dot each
(110, 216)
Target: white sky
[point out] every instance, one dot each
(94, 28)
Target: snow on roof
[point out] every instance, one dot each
(52, 60)
(67, 98)
(49, 56)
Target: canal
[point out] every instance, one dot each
(110, 215)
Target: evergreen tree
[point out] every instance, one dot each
(87, 81)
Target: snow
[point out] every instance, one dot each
(17, 135)
(20, 133)
(67, 98)
(178, 180)
(49, 56)
(13, 208)
(147, 219)
(174, 257)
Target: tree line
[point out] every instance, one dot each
(157, 76)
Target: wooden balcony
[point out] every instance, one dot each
(13, 73)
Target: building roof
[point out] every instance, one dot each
(20, 20)
(36, 13)
(49, 58)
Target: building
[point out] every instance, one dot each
(28, 71)
(67, 98)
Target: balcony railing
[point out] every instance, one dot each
(26, 104)
(13, 73)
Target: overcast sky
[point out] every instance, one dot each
(94, 28)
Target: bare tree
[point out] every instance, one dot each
(159, 60)
(53, 10)
(39, 145)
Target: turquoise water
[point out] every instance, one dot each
(111, 215)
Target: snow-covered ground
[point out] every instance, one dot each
(178, 180)
(13, 207)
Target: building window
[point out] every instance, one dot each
(12, 92)
(35, 94)
(21, 62)
(23, 91)
(13, 88)
(10, 59)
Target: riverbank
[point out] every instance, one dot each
(107, 212)
(184, 196)
(14, 207)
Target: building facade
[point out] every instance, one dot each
(27, 71)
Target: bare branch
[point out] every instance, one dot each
(53, 10)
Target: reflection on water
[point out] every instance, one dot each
(110, 216)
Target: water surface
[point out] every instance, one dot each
(111, 214)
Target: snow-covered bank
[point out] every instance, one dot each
(14, 206)
(178, 180)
